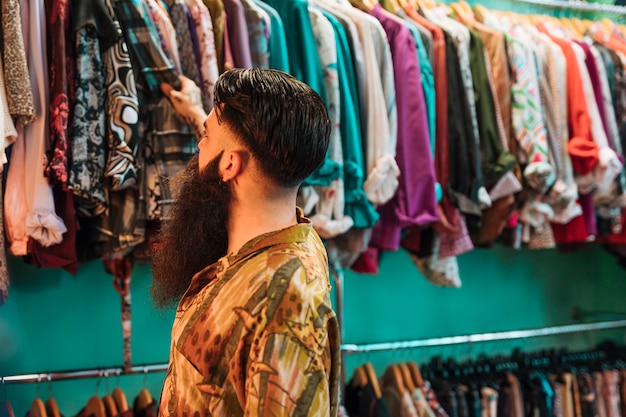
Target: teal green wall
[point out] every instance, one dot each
(56, 321)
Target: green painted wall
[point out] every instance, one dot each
(56, 321)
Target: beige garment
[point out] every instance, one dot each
(567, 400)
(421, 404)
(489, 402)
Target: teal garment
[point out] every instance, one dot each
(357, 206)
(428, 86)
(279, 57)
(304, 64)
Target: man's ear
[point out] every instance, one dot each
(234, 162)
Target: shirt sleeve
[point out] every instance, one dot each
(292, 368)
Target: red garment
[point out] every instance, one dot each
(60, 59)
(62, 255)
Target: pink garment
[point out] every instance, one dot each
(15, 205)
(167, 32)
(208, 55)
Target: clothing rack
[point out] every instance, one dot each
(83, 374)
(346, 349)
(577, 5)
(483, 337)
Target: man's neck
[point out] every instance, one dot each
(249, 220)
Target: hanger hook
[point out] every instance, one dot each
(118, 372)
(39, 378)
(106, 382)
(49, 378)
(100, 373)
(145, 376)
(4, 388)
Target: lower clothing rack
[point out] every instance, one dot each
(346, 349)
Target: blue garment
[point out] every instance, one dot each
(304, 64)
(279, 56)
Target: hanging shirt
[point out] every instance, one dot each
(357, 207)
(259, 30)
(278, 55)
(304, 64)
(42, 223)
(238, 33)
(378, 109)
(207, 44)
(415, 201)
(496, 162)
(60, 49)
(327, 213)
(188, 64)
(122, 129)
(18, 88)
(145, 46)
(166, 32)
(88, 151)
(217, 14)
(528, 121)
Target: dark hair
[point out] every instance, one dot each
(282, 121)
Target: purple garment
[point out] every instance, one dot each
(194, 39)
(589, 213)
(592, 68)
(415, 202)
(238, 33)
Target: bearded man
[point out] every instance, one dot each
(254, 333)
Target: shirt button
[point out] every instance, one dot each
(220, 268)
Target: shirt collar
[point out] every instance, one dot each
(292, 234)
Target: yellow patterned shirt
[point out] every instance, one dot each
(255, 333)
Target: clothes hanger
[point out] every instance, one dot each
(371, 378)
(416, 374)
(109, 402)
(37, 409)
(52, 409)
(393, 377)
(143, 400)
(120, 400)
(407, 379)
(359, 377)
(109, 406)
(94, 408)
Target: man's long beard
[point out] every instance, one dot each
(195, 235)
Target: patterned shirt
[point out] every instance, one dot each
(255, 333)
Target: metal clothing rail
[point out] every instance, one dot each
(346, 349)
(578, 5)
(83, 374)
(483, 337)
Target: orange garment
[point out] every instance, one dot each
(578, 116)
(613, 40)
